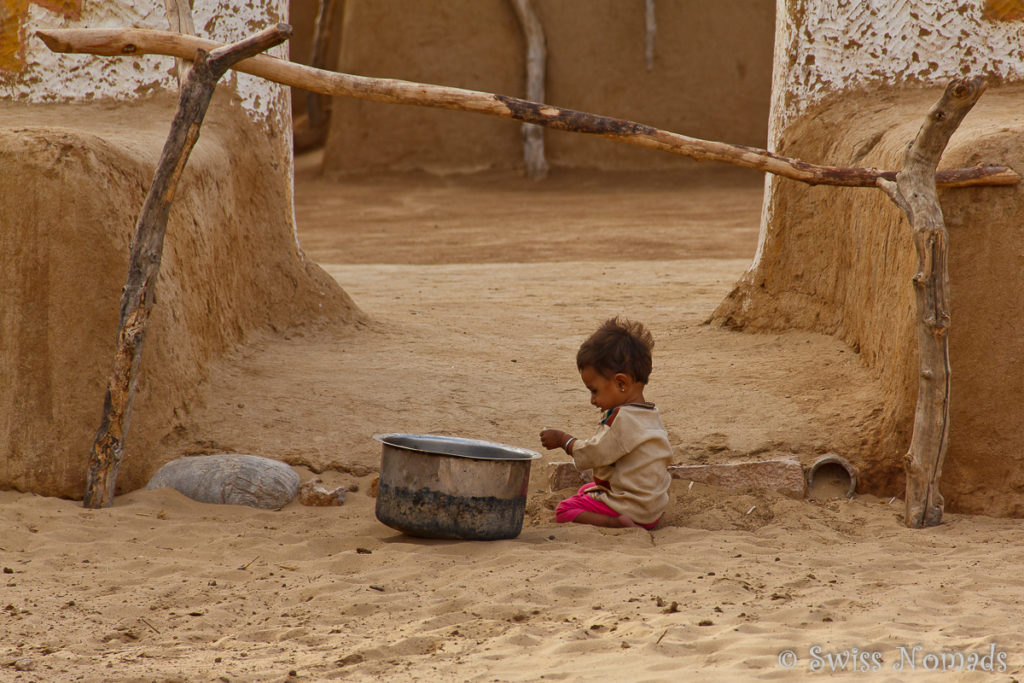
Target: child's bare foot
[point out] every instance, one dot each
(626, 522)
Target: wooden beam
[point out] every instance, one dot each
(126, 41)
(146, 250)
(915, 193)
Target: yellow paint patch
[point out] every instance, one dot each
(1004, 10)
(12, 27)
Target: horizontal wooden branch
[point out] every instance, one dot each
(128, 41)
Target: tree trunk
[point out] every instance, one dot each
(121, 41)
(915, 193)
(144, 261)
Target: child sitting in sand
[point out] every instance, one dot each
(630, 452)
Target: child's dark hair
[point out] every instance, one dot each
(619, 345)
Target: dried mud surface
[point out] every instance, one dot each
(472, 332)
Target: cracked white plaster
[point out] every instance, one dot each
(53, 77)
(825, 46)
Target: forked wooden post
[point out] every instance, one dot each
(915, 193)
(146, 250)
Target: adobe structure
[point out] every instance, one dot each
(80, 137)
(710, 77)
(852, 84)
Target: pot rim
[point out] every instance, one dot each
(515, 454)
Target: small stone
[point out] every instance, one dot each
(564, 475)
(313, 492)
(354, 658)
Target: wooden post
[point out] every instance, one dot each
(318, 109)
(179, 18)
(650, 32)
(915, 193)
(126, 41)
(536, 65)
(310, 131)
(146, 249)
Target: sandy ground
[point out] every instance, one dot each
(476, 293)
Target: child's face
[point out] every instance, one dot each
(605, 392)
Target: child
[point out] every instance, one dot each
(630, 453)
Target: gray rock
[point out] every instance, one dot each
(230, 478)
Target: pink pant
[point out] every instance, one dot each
(570, 508)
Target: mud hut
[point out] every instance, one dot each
(79, 139)
(852, 84)
(710, 76)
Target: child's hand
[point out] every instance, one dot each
(553, 438)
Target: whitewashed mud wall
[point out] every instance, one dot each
(79, 137)
(32, 73)
(823, 47)
(852, 83)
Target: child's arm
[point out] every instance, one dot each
(556, 438)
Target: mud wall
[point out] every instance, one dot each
(79, 140)
(851, 87)
(710, 78)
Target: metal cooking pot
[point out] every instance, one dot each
(448, 487)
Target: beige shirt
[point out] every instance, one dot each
(630, 455)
